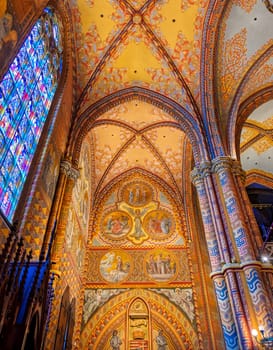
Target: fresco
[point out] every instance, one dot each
(50, 172)
(159, 224)
(95, 298)
(139, 274)
(7, 33)
(116, 224)
(137, 194)
(181, 297)
(161, 265)
(137, 215)
(115, 266)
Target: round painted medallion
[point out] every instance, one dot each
(137, 194)
(159, 224)
(161, 265)
(116, 224)
(115, 266)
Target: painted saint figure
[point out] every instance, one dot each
(161, 341)
(115, 341)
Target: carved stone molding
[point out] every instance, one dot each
(238, 171)
(200, 172)
(196, 176)
(221, 163)
(73, 174)
(67, 169)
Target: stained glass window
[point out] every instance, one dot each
(26, 94)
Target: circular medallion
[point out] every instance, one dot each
(116, 224)
(115, 266)
(161, 265)
(137, 194)
(159, 224)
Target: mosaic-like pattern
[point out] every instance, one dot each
(26, 93)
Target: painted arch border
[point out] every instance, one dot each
(95, 332)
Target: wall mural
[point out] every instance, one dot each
(137, 316)
(95, 298)
(78, 213)
(7, 33)
(50, 171)
(116, 224)
(153, 267)
(115, 266)
(138, 247)
(138, 215)
(161, 265)
(181, 297)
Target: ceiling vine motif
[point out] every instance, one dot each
(105, 36)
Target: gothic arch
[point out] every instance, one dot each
(187, 123)
(181, 332)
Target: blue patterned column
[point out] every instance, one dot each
(228, 323)
(237, 219)
(202, 181)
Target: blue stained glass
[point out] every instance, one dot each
(26, 94)
(15, 104)
(8, 164)
(7, 85)
(15, 69)
(28, 79)
(41, 50)
(29, 47)
(2, 140)
(23, 58)
(2, 181)
(7, 124)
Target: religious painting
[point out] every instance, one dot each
(181, 297)
(8, 36)
(159, 224)
(137, 194)
(116, 224)
(115, 266)
(161, 265)
(94, 299)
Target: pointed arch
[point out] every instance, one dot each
(30, 92)
(188, 123)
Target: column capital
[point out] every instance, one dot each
(65, 166)
(221, 163)
(196, 176)
(73, 174)
(67, 169)
(237, 170)
(200, 172)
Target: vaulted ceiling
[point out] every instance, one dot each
(159, 45)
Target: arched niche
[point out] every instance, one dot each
(119, 312)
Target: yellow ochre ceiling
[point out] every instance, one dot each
(150, 44)
(139, 135)
(157, 45)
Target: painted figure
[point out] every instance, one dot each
(115, 341)
(161, 341)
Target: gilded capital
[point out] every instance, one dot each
(65, 166)
(73, 174)
(220, 164)
(196, 176)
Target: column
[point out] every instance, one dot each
(253, 293)
(202, 181)
(70, 176)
